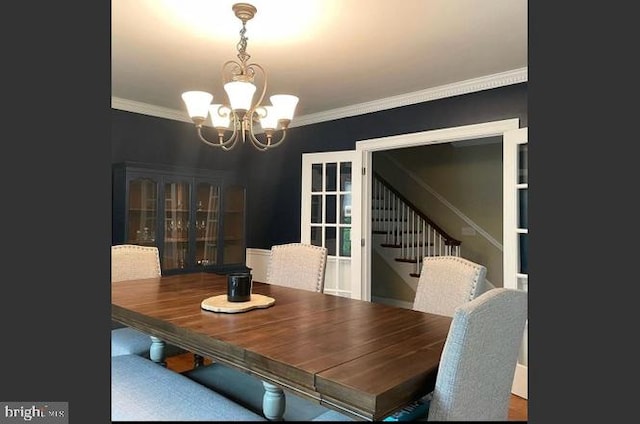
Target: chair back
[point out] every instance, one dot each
(297, 265)
(479, 358)
(447, 282)
(130, 262)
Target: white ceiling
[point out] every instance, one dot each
(338, 56)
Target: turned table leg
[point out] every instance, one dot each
(157, 351)
(273, 402)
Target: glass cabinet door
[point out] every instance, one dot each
(206, 226)
(142, 213)
(234, 210)
(195, 217)
(176, 225)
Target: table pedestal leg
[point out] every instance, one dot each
(273, 402)
(157, 351)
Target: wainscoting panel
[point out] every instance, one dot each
(258, 261)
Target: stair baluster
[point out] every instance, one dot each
(407, 228)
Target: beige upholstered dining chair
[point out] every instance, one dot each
(131, 262)
(479, 358)
(297, 265)
(447, 282)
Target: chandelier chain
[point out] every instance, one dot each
(242, 47)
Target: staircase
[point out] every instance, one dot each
(403, 234)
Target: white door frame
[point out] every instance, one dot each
(365, 148)
(514, 276)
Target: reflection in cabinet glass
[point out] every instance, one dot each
(142, 213)
(176, 219)
(196, 218)
(207, 213)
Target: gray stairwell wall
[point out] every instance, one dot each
(387, 284)
(469, 178)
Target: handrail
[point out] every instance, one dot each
(449, 241)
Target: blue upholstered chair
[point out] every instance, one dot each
(479, 358)
(142, 390)
(131, 262)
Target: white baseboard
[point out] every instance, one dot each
(520, 385)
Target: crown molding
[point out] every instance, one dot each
(449, 90)
(502, 79)
(148, 109)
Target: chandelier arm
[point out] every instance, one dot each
(220, 143)
(226, 149)
(227, 144)
(268, 145)
(239, 66)
(257, 143)
(233, 138)
(277, 143)
(264, 83)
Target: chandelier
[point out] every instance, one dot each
(241, 114)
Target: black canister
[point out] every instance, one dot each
(239, 287)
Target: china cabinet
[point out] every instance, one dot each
(195, 217)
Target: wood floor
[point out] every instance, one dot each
(180, 363)
(518, 409)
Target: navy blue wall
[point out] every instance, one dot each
(273, 178)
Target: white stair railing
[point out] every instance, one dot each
(407, 228)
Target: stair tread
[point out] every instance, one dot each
(395, 232)
(409, 260)
(397, 246)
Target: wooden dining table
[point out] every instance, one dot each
(362, 359)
